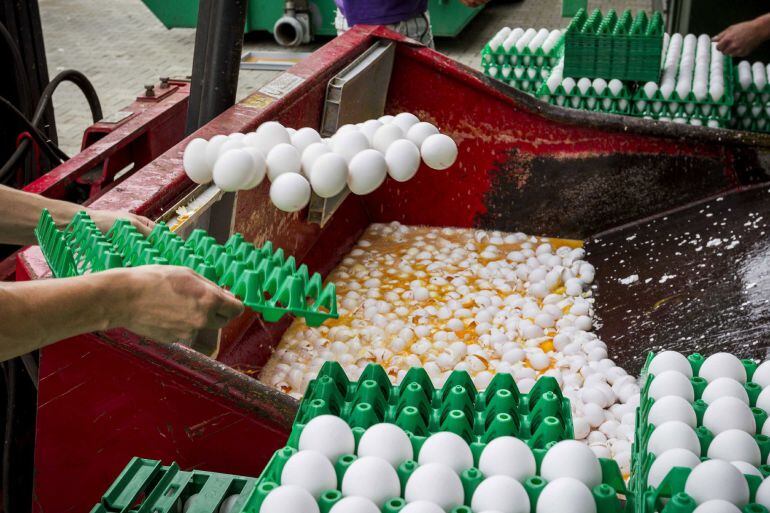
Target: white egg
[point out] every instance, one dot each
(761, 376)
(329, 175)
(349, 144)
(421, 507)
(599, 85)
(716, 506)
(735, 444)
(507, 456)
(584, 84)
(354, 505)
(304, 137)
(671, 383)
(189, 502)
(670, 361)
(385, 119)
(228, 504)
(289, 498)
(747, 468)
(716, 479)
(310, 155)
(729, 413)
(271, 134)
(260, 167)
(310, 470)
(329, 435)
(722, 365)
(386, 135)
(251, 139)
(763, 400)
(368, 128)
(570, 458)
(435, 483)
(448, 449)
(386, 441)
(230, 144)
(566, 494)
(290, 192)
(763, 493)
(724, 387)
(500, 493)
(366, 172)
(234, 170)
(403, 160)
(283, 158)
(671, 407)
(236, 136)
(616, 86)
(194, 161)
(439, 151)
(212, 149)
(405, 121)
(568, 84)
(673, 435)
(372, 478)
(664, 462)
(418, 132)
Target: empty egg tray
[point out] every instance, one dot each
(264, 279)
(672, 486)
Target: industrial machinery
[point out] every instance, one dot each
(627, 187)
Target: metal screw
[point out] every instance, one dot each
(163, 82)
(149, 90)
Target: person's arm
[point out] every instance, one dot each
(20, 212)
(741, 39)
(165, 303)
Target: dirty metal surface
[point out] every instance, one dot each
(703, 280)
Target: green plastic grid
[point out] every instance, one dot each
(263, 278)
(146, 486)
(612, 46)
(605, 102)
(544, 418)
(526, 58)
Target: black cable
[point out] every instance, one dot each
(53, 151)
(46, 96)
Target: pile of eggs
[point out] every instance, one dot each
(732, 453)
(517, 42)
(751, 96)
(693, 78)
(480, 301)
(300, 161)
(434, 485)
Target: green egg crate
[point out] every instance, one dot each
(751, 110)
(590, 101)
(642, 460)
(525, 83)
(146, 486)
(263, 278)
(538, 59)
(611, 46)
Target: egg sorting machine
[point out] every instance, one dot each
(627, 186)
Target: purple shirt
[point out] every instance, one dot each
(380, 12)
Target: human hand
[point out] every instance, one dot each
(104, 220)
(170, 303)
(740, 39)
(473, 3)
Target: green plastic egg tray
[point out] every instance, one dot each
(673, 484)
(147, 486)
(591, 100)
(751, 110)
(611, 46)
(263, 278)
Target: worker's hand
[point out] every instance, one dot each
(740, 39)
(170, 303)
(104, 220)
(474, 3)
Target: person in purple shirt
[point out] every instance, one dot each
(407, 17)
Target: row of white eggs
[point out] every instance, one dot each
(753, 73)
(519, 39)
(295, 161)
(694, 121)
(505, 463)
(686, 70)
(583, 84)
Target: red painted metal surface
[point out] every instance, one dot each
(106, 397)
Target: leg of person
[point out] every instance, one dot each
(417, 28)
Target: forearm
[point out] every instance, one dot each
(34, 314)
(20, 212)
(763, 26)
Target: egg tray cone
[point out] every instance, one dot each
(263, 278)
(672, 485)
(147, 486)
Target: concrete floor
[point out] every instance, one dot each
(120, 46)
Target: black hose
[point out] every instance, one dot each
(53, 151)
(46, 96)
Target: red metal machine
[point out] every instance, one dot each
(522, 166)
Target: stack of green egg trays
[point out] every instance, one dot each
(672, 486)
(624, 47)
(263, 278)
(591, 100)
(689, 107)
(146, 486)
(751, 110)
(540, 418)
